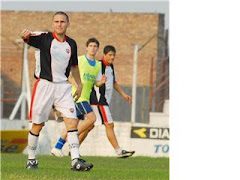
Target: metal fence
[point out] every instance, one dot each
(121, 110)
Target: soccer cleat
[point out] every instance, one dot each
(83, 161)
(32, 164)
(57, 152)
(80, 165)
(126, 154)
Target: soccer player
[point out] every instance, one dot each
(58, 55)
(101, 98)
(89, 69)
(37, 54)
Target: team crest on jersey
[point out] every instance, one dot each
(67, 51)
(71, 110)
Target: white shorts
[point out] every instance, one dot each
(45, 95)
(103, 114)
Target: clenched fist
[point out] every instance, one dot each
(25, 34)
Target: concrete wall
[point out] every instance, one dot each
(96, 144)
(146, 139)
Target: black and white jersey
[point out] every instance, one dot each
(37, 57)
(56, 58)
(102, 95)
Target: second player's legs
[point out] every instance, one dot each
(87, 123)
(111, 135)
(84, 134)
(84, 108)
(113, 140)
(106, 118)
(64, 134)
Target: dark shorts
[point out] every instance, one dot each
(83, 108)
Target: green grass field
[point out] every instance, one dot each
(51, 168)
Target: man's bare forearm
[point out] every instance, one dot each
(119, 89)
(122, 92)
(71, 80)
(76, 74)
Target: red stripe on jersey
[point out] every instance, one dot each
(33, 95)
(55, 36)
(103, 113)
(105, 62)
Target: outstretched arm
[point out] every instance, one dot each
(122, 93)
(35, 40)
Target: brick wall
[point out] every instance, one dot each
(122, 30)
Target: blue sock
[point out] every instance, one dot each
(60, 143)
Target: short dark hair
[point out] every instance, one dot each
(109, 48)
(92, 40)
(62, 13)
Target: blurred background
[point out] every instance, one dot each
(121, 24)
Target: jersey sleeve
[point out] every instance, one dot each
(74, 56)
(36, 40)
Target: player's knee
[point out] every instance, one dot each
(71, 123)
(36, 128)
